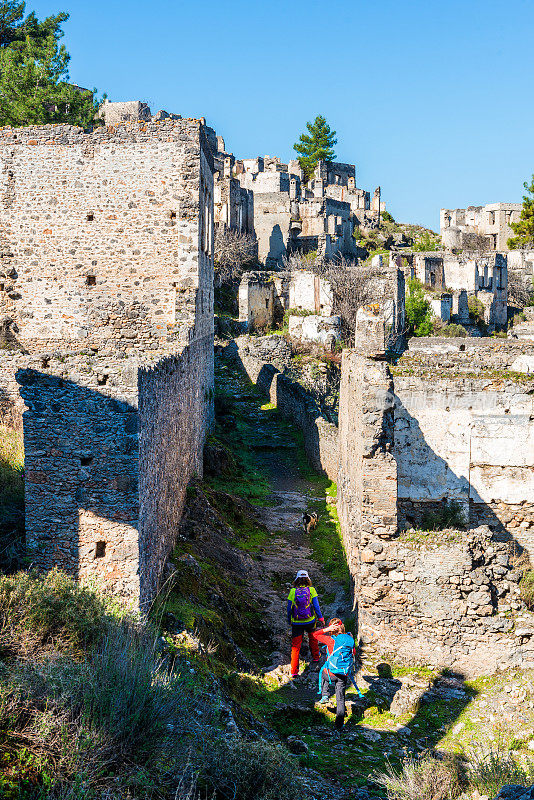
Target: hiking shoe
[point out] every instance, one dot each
(323, 701)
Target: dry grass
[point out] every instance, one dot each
(238, 770)
(11, 497)
(425, 777)
(490, 770)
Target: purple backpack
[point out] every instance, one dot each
(302, 604)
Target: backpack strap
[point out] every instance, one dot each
(326, 666)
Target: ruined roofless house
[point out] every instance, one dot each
(107, 242)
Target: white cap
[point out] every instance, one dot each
(302, 574)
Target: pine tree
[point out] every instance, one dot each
(524, 229)
(315, 147)
(34, 79)
(11, 16)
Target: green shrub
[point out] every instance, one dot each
(234, 768)
(35, 610)
(418, 311)
(386, 217)
(450, 329)
(526, 587)
(449, 516)
(421, 778)
(476, 309)
(426, 242)
(489, 771)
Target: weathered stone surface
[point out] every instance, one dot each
(108, 244)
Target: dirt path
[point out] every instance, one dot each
(294, 489)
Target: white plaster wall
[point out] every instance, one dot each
(302, 293)
(464, 441)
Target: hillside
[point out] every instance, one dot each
(393, 234)
(196, 702)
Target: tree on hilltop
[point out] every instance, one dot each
(34, 79)
(524, 229)
(315, 147)
(11, 22)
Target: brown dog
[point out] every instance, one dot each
(309, 521)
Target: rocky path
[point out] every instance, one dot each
(294, 488)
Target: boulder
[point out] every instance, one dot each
(406, 701)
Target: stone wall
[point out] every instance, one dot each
(447, 598)
(367, 474)
(81, 471)
(471, 441)
(262, 360)
(110, 446)
(106, 238)
(256, 300)
(175, 402)
(106, 292)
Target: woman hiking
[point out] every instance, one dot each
(303, 611)
(339, 666)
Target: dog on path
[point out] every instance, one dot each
(309, 520)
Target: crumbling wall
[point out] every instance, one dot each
(449, 599)
(470, 441)
(110, 446)
(367, 474)
(260, 359)
(108, 268)
(256, 300)
(82, 471)
(106, 237)
(175, 401)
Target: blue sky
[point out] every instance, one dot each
(432, 100)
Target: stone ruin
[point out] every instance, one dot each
(106, 310)
(450, 279)
(481, 228)
(270, 199)
(106, 292)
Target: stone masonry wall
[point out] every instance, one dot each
(259, 359)
(175, 400)
(105, 238)
(82, 472)
(471, 441)
(448, 598)
(110, 446)
(367, 474)
(106, 244)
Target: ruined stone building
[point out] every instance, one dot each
(479, 227)
(270, 199)
(453, 278)
(435, 429)
(106, 295)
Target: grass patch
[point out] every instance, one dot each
(11, 498)
(325, 538)
(448, 516)
(492, 769)
(526, 589)
(425, 777)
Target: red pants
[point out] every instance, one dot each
(297, 633)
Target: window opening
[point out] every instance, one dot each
(100, 550)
